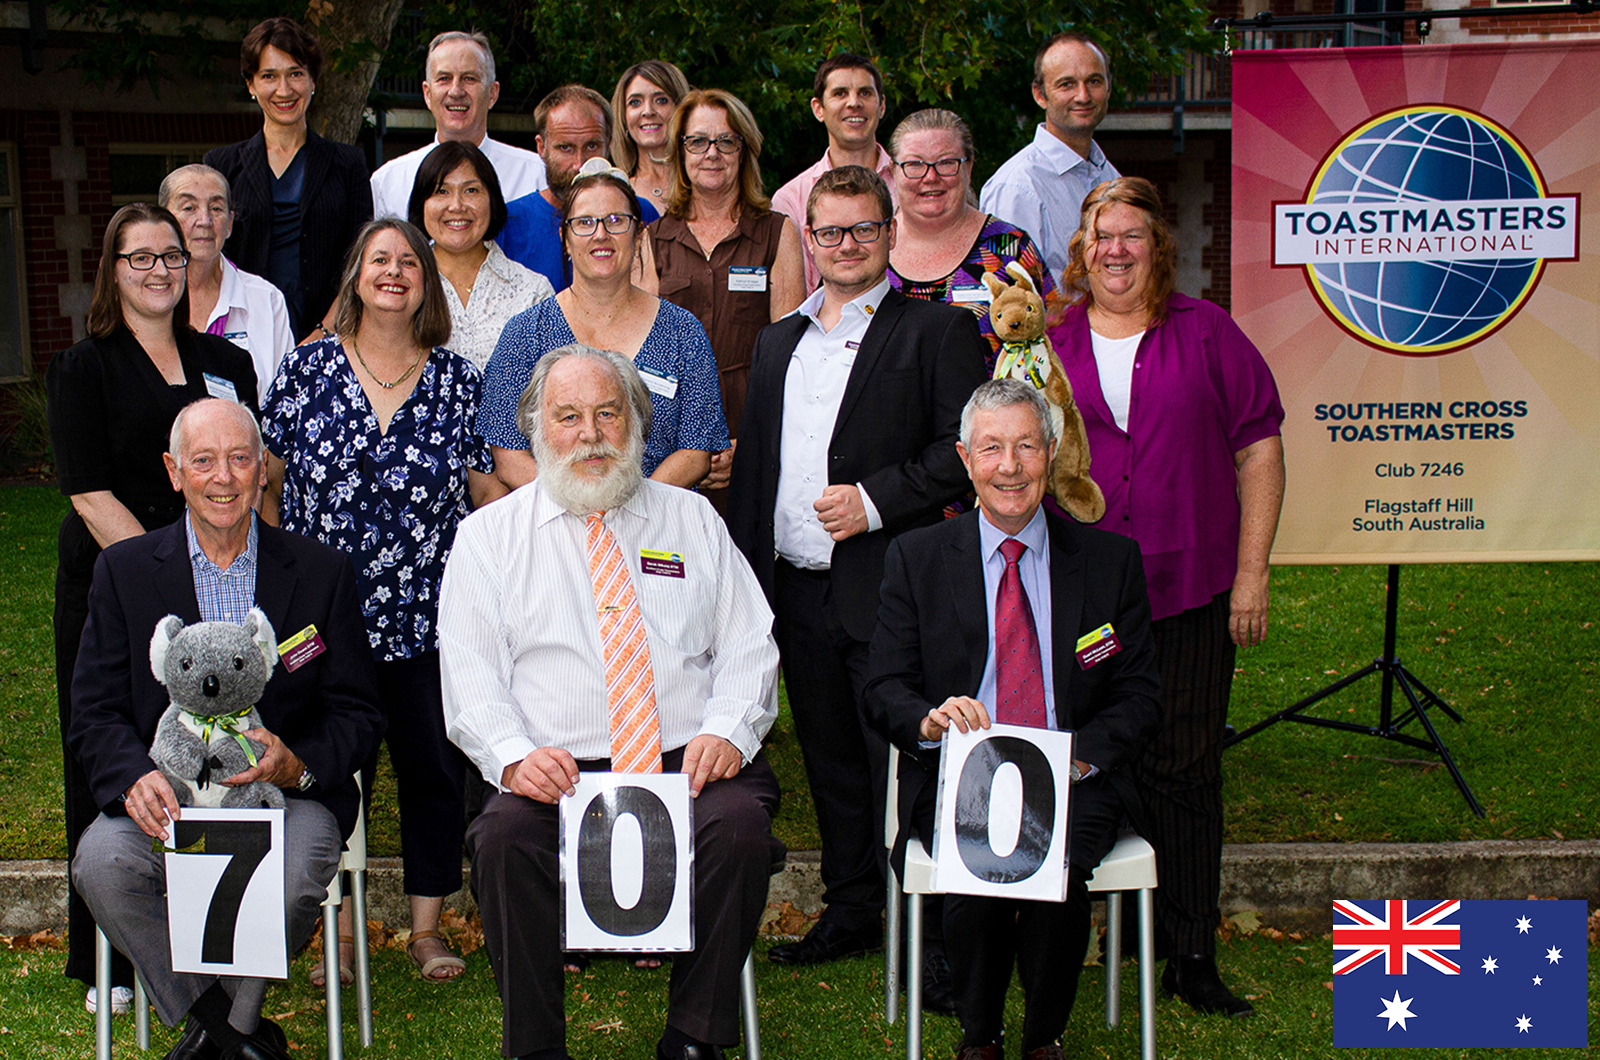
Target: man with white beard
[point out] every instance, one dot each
(596, 620)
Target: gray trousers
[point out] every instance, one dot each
(124, 882)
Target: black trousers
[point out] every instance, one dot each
(1179, 776)
(847, 764)
(516, 874)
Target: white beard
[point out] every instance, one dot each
(583, 494)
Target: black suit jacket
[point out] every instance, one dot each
(326, 711)
(933, 639)
(335, 202)
(895, 434)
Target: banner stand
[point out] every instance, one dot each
(1388, 728)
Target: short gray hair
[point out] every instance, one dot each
(175, 436)
(531, 404)
(474, 38)
(1003, 393)
(169, 183)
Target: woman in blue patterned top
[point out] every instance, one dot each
(372, 449)
(603, 308)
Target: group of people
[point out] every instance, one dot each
(434, 456)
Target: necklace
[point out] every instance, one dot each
(387, 386)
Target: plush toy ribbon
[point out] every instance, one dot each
(1031, 357)
(230, 724)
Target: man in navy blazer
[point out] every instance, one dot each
(847, 439)
(320, 715)
(936, 661)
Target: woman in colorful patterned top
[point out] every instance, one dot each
(944, 243)
(372, 449)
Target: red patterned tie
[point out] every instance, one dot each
(1018, 671)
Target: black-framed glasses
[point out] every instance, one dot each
(144, 261)
(865, 232)
(916, 169)
(615, 223)
(726, 144)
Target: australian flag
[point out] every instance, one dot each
(1460, 974)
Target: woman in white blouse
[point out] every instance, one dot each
(456, 200)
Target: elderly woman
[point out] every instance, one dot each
(721, 252)
(604, 308)
(456, 200)
(643, 101)
(224, 299)
(111, 400)
(300, 199)
(1182, 416)
(371, 449)
(944, 243)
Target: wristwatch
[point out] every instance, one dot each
(1074, 774)
(307, 780)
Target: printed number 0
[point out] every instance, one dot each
(245, 844)
(972, 810)
(660, 862)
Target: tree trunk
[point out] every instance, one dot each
(354, 35)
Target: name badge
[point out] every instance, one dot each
(218, 387)
(301, 648)
(1098, 646)
(665, 385)
(663, 564)
(969, 295)
(240, 339)
(747, 278)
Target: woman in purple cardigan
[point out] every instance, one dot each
(1182, 416)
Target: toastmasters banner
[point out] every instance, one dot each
(1415, 252)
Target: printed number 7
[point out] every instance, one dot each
(245, 844)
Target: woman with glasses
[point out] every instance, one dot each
(721, 252)
(111, 400)
(600, 232)
(944, 243)
(643, 101)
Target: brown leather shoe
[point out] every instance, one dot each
(991, 1051)
(1052, 1051)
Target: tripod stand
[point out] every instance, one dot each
(1418, 695)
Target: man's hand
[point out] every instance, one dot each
(721, 468)
(150, 802)
(964, 712)
(841, 511)
(708, 758)
(277, 765)
(544, 776)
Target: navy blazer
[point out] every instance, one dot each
(327, 711)
(933, 636)
(335, 201)
(895, 434)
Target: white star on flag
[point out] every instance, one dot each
(1523, 1024)
(1489, 965)
(1553, 955)
(1538, 980)
(1396, 1011)
(1523, 924)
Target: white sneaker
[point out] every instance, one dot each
(121, 1000)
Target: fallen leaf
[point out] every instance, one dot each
(609, 1026)
(1329, 984)
(787, 919)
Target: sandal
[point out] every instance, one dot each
(430, 968)
(347, 972)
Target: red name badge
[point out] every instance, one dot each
(1098, 646)
(301, 648)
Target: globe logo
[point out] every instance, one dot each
(1425, 230)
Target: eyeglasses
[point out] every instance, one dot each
(726, 144)
(916, 169)
(615, 223)
(144, 261)
(865, 232)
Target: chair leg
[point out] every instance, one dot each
(1113, 957)
(141, 1013)
(893, 906)
(330, 961)
(363, 969)
(747, 1002)
(914, 978)
(102, 990)
(1147, 974)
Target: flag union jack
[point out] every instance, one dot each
(1395, 937)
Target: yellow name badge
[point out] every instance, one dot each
(1097, 646)
(660, 563)
(301, 648)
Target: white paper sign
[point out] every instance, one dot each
(225, 893)
(1002, 813)
(627, 863)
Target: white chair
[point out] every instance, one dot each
(353, 861)
(747, 1005)
(1131, 866)
(102, 1011)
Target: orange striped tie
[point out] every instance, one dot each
(630, 685)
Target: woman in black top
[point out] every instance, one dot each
(298, 199)
(111, 402)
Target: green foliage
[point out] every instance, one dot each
(134, 41)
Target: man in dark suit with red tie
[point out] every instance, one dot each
(1014, 615)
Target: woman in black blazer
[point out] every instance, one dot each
(298, 199)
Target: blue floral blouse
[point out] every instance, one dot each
(675, 360)
(392, 501)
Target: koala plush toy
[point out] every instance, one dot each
(214, 673)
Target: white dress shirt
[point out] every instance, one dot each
(257, 320)
(500, 291)
(1041, 188)
(819, 368)
(519, 639)
(520, 172)
(1034, 566)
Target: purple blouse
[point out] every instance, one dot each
(1201, 392)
